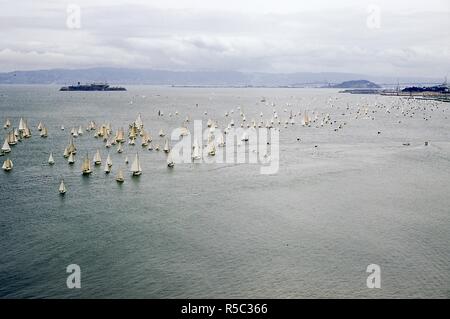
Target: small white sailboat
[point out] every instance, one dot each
(120, 178)
(7, 165)
(51, 161)
(170, 162)
(71, 159)
(196, 151)
(109, 161)
(120, 148)
(62, 188)
(136, 166)
(40, 126)
(107, 168)
(44, 132)
(86, 167)
(97, 158)
(6, 148)
(126, 159)
(161, 133)
(166, 146)
(66, 152)
(62, 128)
(150, 146)
(7, 124)
(80, 130)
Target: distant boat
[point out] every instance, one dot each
(97, 158)
(86, 167)
(119, 177)
(7, 165)
(6, 148)
(196, 151)
(62, 188)
(109, 161)
(107, 168)
(62, 127)
(161, 133)
(170, 162)
(126, 159)
(40, 126)
(51, 161)
(136, 166)
(44, 132)
(91, 87)
(119, 148)
(166, 146)
(7, 124)
(71, 159)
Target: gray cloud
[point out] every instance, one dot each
(269, 36)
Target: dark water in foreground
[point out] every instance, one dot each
(224, 230)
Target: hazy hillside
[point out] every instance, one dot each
(159, 77)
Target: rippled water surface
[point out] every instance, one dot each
(225, 230)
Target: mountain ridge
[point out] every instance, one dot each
(202, 78)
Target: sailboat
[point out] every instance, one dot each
(62, 128)
(7, 165)
(97, 158)
(119, 177)
(109, 161)
(51, 161)
(62, 188)
(86, 167)
(119, 148)
(66, 152)
(107, 168)
(211, 149)
(136, 166)
(44, 132)
(71, 159)
(196, 151)
(6, 148)
(161, 133)
(170, 162)
(80, 130)
(126, 159)
(7, 124)
(21, 125)
(150, 146)
(40, 126)
(166, 146)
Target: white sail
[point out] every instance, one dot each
(108, 161)
(86, 167)
(7, 124)
(107, 168)
(51, 161)
(39, 127)
(196, 151)
(170, 161)
(21, 125)
(62, 188)
(119, 177)
(62, 127)
(161, 133)
(7, 165)
(119, 148)
(136, 166)
(80, 130)
(166, 146)
(6, 148)
(97, 158)
(71, 159)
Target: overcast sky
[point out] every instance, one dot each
(395, 38)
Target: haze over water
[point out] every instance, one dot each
(225, 230)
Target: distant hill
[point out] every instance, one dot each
(356, 84)
(118, 76)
